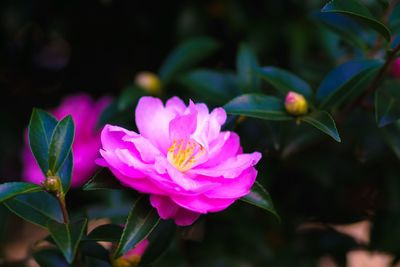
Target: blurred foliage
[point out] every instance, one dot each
(246, 57)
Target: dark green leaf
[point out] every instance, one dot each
(259, 197)
(37, 208)
(41, 127)
(12, 189)
(60, 143)
(212, 86)
(65, 173)
(50, 258)
(185, 56)
(258, 106)
(324, 122)
(159, 241)
(343, 26)
(246, 65)
(387, 103)
(346, 81)
(391, 135)
(106, 232)
(94, 250)
(67, 236)
(358, 11)
(140, 223)
(103, 180)
(285, 81)
(129, 97)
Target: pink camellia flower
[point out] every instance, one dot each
(181, 158)
(85, 113)
(395, 68)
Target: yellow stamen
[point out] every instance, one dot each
(183, 154)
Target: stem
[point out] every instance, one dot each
(61, 201)
(374, 85)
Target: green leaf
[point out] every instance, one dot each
(359, 12)
(129, 97)
(348, 29)
(259, 197)
(387, 103)
(12, 189)
(106, 232)
(212, 86)
(50, 258)
(40, 130)
(346, 82)
(140, 223)
(324, 122)
(159, 241)
(37, 208)
(391, 135)
(246, 65)
(67, 236)
(65, 173)
(185, 56)
(285, 81)
(103, 180)
(258, 106)
(60, 143)
(94, 250)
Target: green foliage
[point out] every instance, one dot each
(285, 81)
(324, 122)
(247, 65)
(67, 236)
(186, 56)
(12, 189)
(358, 11)
(259, 197)
(106, 232)
(140, 223)
(387, 108)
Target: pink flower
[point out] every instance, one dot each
(181, 158)
(85, 113)
(395, 68)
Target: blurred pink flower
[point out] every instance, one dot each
(85, 113)
(395, 68)
(181, 158)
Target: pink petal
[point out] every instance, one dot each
(231, 167)
(201, 203)
(152, 120)
(176, 105)
(234, 188)
(183, 125)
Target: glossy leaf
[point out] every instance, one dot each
(65, 173)
(247, 65)
(94, 250)
(324, 122)
(60, 143)
(12, 189)
(212, 86)
(40, 130)
(37, 208)
(185, 56)
(159, 241)
(258, 106)
(285, 81)
(103, 180)
(106, 232)
(357, 11)
(343, 26)
(259, 197)
(67, 236)
(387, 103)
(346, 81)
(140, 223)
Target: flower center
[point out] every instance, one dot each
(183, 154)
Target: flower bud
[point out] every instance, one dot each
(149, 82)
(395, 68)
(52, 184)
(132, 257)
(296, 104)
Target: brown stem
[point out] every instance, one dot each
(61, 201)
(373, 86)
